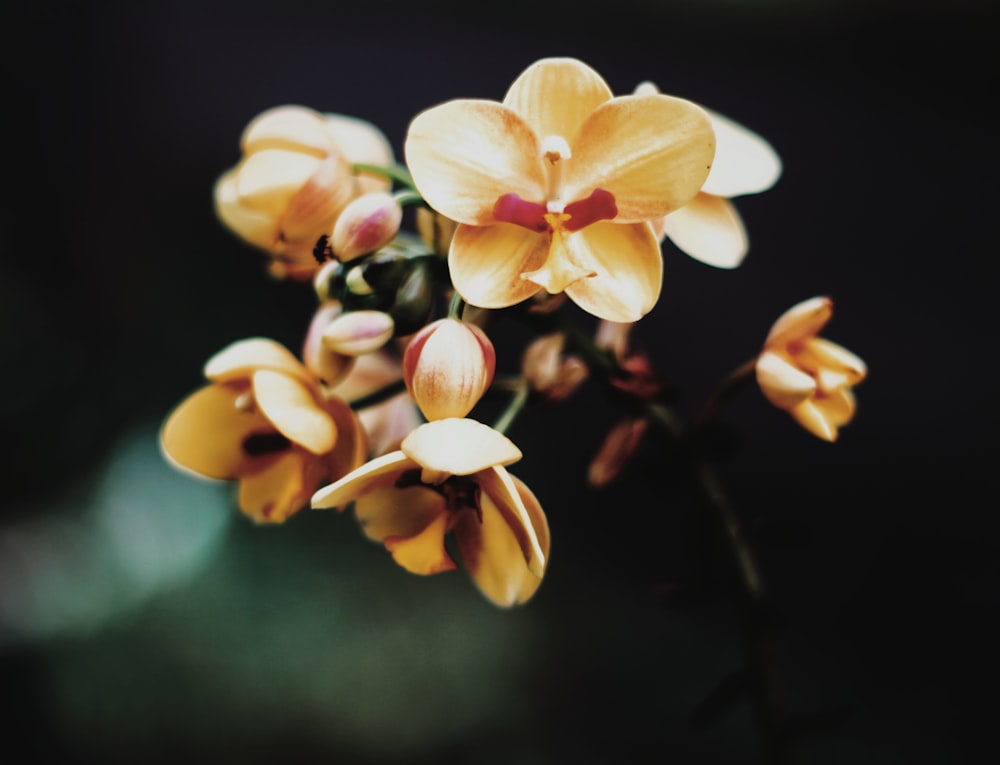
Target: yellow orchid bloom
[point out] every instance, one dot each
(555, 187)
(449, 475)
(294, 179)
(805, 374)
(263, 421)
(709, 228)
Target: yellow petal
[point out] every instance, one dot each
(486, 263)
(815, 420)
(801, 321)
(709, 229)
(268, 179)
(359, 140)
(836, 357)
(293, 410)
(278, 491)
(424, 553)
(392, 512)
(459, 446)
(628, 266)
(492, 555)
(313, 208)
(556, 95)
(206, 432)
(837, 407)
(560, 269)
(375, 474)
(782, 383)
(744, 162)
(464, 154)
(351, 448)
(652, 153)
(241, 358)
(258, 228)
(498, 486)
(291, 128)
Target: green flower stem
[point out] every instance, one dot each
(759, 666)
(517, 401)
(396, 173)
(378, 396)
(734, 382)
(456, 306)
(408, 197)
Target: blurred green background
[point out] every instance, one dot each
(142, 620)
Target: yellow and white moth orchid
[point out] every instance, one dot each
(555, 187)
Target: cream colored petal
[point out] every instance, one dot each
(294, 411)
(486, 263)
(710, 230)
(359, 140)
(268, 179)
(357, 333)
(378, 473)
(290, 128)
(837, 357)
(556, 95)
(499, 487)
(628, 266)
(423, 553)
(464, 155)
(782, 383)
(205, 433)
(241, 358)
(801, 321)
(459, 446)
(281, 489)
(392, 512)
(258, 228)
(744, 162)
(651, 152)
(814, 419)
(492, 555)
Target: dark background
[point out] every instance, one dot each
(142, 620)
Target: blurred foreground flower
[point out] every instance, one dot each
(450, 476)
(553, 188)
(294, 179)
(264, 421)
(805, 374)
(709, 228)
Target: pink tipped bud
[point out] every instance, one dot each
(447, 367)
(367, 223)
(357, 332)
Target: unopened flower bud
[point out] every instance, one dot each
(328, 365)
(447, 367)
(619, 447)
(548, 371)
(366, 223)
(357, 332)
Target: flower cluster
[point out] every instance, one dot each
(553, 202)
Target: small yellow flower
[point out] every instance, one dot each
(294, 179)
(263, 421)
(806, 375)
(450, 476)
(555, 187)
(709, 228)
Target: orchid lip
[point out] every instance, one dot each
(600, 205)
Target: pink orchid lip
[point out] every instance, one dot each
(600, 205)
